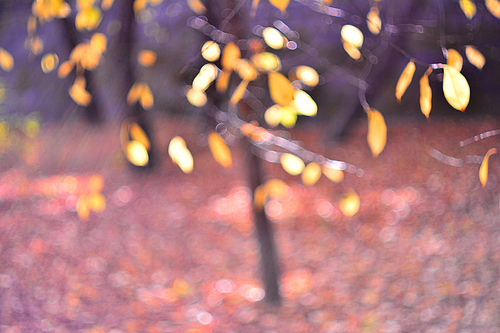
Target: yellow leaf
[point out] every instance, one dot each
(303, 104)
(245, 70)
(266, 62)
(35, 45)
(6, 60)
(205, 77)
(220, 150)
(377, 131)
(96, 183)
(259, 198)
(349, 205)
(494, 7)
(197, 6)
(288, 116)
(65, 68)
(230, 54)
(134, 93)
(238, 93)
(373, 21)
(276, 188)
(78, 93)
(196, 97)
(405, 80)
(98, 43)
(468, 7)
(292, 164)
(474, 56)
(280, 88)
(454, 59)
(455, 87)
(138, 134)
(425, 94)
(334, 175)
(272, 115)
(146, 58)
(88, 19)
(307, 75)
(96, 202)
(274, 38)
(311, 174)
(49, 62)
(210, 51)
(146, 97)
(352, 35)
(483, 170)
(180, 155)
(81, 208)
(136, 153)
(352, 51)
(223, 81)
(280, 4)
(106, 4)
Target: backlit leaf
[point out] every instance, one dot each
(334, 175)
(425, 94)
(238, 93)
(468, 7)
(405, 80)
(146, 58)
(210, 51)
(493, 7)
(245, 70)
(220, 150)
(292, 164)
(474, 56)
(288, 116)
(223, 81)
(134, 93)
(280, 4)
(146, 97)
(196, 97)
(304, 104)
(49, 62)
(78, 93)
(197, 6)
(98, 43)
(205, 77)
(96, 202)
(352, 35)
(373, 21)
(352, 51)
(65, 68)
(138, 134)
(180, 155)
(280, 88)
(6, 60)
(349, 205)
(483, 170)
(308, 75)
(136, 153)
(266, 62)
(81, 208)
(455, 59)
(377, 131)
(311, 174)
(88, 19)
(272, 115)
(230, 54)
(455, 87)
(276, 188)
(274, 38)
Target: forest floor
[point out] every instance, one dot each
(177, 253)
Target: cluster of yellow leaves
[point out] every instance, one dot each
(352, 39)
(6, 60)
(273, 188)
(140, 91)
(180, 154)
(92, 200)
(86, 56)
(311, 173)
(135, 143)
(89, 15)
(47, 10)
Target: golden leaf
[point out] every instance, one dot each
(266, 62)
(468, 7)
(259, 198)
(304, 104)
(196, 97)
(272, 115)
(81, 208)
(455, 87)
(334, 175)
(377, 131)
(274, 38)
(276, 188)
(49, 62)
(134, 93)
(146, 97)
(65, 68)
(230, 54)
(238, 93)
(352, 35)
(288, 116)
(454, 59)
(138, 134)
(405, 80)
(146, 58)
(223, 81)
(308, 75)
(311, 174)
(78, 93)
(210, 51)
(352, 51)
(205, 77)
(245, 70)
(220, 150)
(280, 88)
(96, 202)
(483, 170)
(292, 164)
(136, 153)
(88, 19)
(6, 60)
(474, 56)
(98, 43)
(425, 94)
(493, 7)
(349, 205)
(180, 155)
(197, 6)
(280, 4)
(373, 21)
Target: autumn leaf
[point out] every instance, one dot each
(311, 174)
(78, 93)
(238, 93)
(180, 154)
(280, 88)
(223, 81)
(352, 35)
(274, 38)
(474, 56)
(210, 51)
(135, 143)
(455, 87)
(49, 62)
(146, 58)
(349, 205)
(280, 4)
(220, 151)
(483, 170)
(292, 164)
(106, 4)
(373, 21)
(230, 54)
(266, 62)
(494, 7)
(307, 75)
(468, 7)
(197, 6)
(303, 104)
(6, 60)
(146, 97)
(196, 97)
(455, 59)
(138, 134)
(65, 68)
(136, 153)
(405, 80)
(425, 94)
(377, 131)
(245, 70)
(334, 175)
